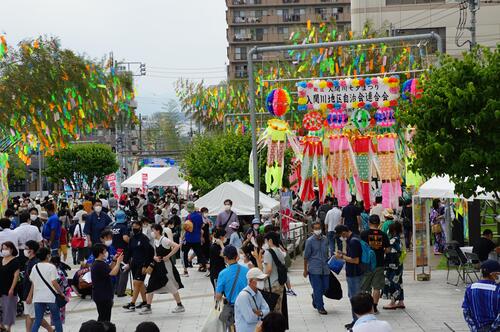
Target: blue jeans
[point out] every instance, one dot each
(332, 239)
(54, 248)
(39, 312)
(354, 288)
(320, 284)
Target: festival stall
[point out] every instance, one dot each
(242, 196)
(144, 177)
(169, 178)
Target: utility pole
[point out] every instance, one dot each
(40, 180)
(473, 8)
(140, 134)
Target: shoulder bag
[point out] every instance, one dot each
(60, 299)
(78, 242)
(227, 221)
(282, 270)
(227, 314)
(270, 297)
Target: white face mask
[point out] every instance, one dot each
(260, 284)
(106, 255)
(256, 226)
(11, 218)
(107, 243)
(26, 252)
(6, 252)
(317, 232)
(227, 207)
(205, 214)
(265, 246)
(33, 217)
(98, 209)
(343, 238)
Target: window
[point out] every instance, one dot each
(291, 1)
(240, 71)
(283, 30)
(240, 53)
(410, 2)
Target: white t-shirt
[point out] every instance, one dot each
(165, 242)
(378, 210)
(41, 293)
(26, 232)
(168, 233)
(80, 233)
(332, 219)
(373, 326)
(9, 235)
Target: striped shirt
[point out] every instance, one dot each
(481, 306)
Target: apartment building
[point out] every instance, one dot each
(270, 22)
(403, 17)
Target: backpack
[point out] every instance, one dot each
(282, 270)
(368, 259)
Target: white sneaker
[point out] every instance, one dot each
(145, 311)
(178, 309)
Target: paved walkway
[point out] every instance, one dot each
(431, 306)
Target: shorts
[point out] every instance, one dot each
(29, 309)
(63, 249)
(137, 272)
(374, 279)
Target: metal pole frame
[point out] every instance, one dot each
(266, 49)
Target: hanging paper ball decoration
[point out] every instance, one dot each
(410, 90)
(278, 102)
(361, 119)
(337, 119)
(313, 121)
(384, 117)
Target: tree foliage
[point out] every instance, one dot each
(458, 120)
(214, 159)
(82, 164)
(17, 169)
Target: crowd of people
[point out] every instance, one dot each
(137, 239)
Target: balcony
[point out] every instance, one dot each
(276, 3)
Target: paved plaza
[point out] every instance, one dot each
(431, 306)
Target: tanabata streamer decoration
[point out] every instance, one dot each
(4, 183)
(384, 117)
(275, 138)
(348, 93)
(313, 121)
(365, 157)
(278, 102)
(341, 166)
(313, 164)
(389, 170)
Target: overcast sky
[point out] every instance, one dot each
(174, 38)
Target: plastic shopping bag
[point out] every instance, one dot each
(212, 323)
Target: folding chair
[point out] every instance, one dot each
(454, 262)
(473, 266)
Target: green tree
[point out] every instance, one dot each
(214, 159)
(82, 164)
(17, 169)
(458, 120)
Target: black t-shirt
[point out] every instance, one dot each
(119, 230)
(353, 250)
(7, 275)
(217, 263)
(206, 233)
(102, 289)
(483, 248)
(350, 214)
(378, 241)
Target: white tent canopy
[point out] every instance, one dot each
(157, 176)
(184, 188)
(242, 196)
(169, 178)
(442, 187)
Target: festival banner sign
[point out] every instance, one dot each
(144, 182)
(366, 93)
(111, 178)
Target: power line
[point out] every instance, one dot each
(180, 76)
(187, 68)
(422, 13)
(187, 72)
(434, 19)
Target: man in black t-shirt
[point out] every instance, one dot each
(379, 242)
(121, 237)
(351, 216)
(485, 245)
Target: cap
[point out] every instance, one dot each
(120, 216)
(255, 273)
(230, 252)
(256, 221)
(234, 225)
(190, 207)
(388, 213)
(490, 266)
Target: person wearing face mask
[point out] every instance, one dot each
(217, 263)
(11, 215)
(250, 307)
(316, 266)
(481, 305)
(107, 240)
(34, 218)
(206, 236)
(102, 286)
(96, 222)
(226, 218)
(7, 234)
(139, 255)
(352, 258)
(121, 239)
(164, 278)
(9, 275)
(26, 232)
(31, 247)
